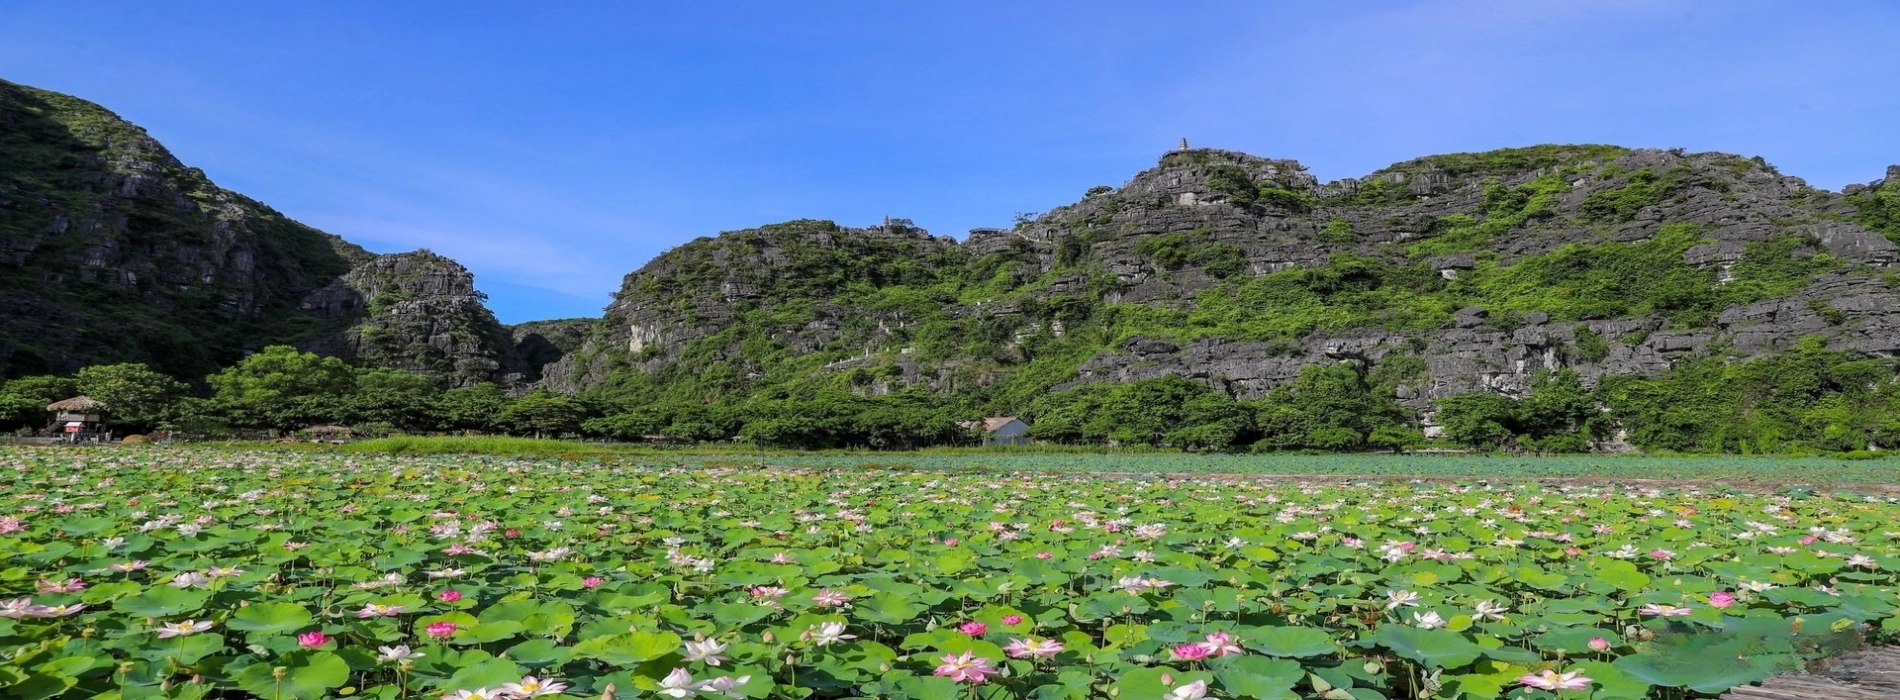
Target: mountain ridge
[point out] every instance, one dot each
(1431, 279)
(112, 250)
(1186, 243)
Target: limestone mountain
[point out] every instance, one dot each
(111, 250)
(418, 312)
(1478, 270)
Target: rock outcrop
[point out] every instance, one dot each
(1119, 281)
(111, 250)
(418, 312)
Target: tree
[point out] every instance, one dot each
(542, 414)
(282, 388)
(1559, 404)
(1394, 438)
(1064, 417)
(473, 408)
(133, 393)
(18, 411)
(1477, 420)
(630, 425)
(44, 389)
(1325, 403)
(395, 398)
(1148, 410)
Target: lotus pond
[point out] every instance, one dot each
(191, 574)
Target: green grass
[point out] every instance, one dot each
(1701, 469)
(491, 445)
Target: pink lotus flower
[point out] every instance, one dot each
(973, 628)
(70, 585)
(1721, 599)
(1026, 648)
(439, 630)
(531, 687)
(1664, 610)
(965, 667)
(10, 524)
(1810, 539)
(449, 596)
(1662, 554)
(1044, 555)
(952, 542)
(1189, 652)
(1012, 619)
(1552, 680)
(378, 610)
(1192, 691)
(1222, 644)
(1599, 644)
(832, 599)
(312, 640)
(592, 582)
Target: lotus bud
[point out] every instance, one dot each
(1167, 679)
(165, 685)
(197, 678)
(607, 693)
(767, 637)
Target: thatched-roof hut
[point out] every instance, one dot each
(77, 404)
(80, 417)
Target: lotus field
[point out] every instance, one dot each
(133, 573)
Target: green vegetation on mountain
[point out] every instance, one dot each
(112, 250)
(1548, 298)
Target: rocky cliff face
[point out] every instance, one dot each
(1731, 202)
(796, 271)
(539, 344)
(1237, 271)
(111, 250)
(418, 312)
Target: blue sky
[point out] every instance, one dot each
(554, 147)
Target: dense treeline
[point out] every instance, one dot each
(1809, 399)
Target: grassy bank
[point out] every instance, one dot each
(1700, 469)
